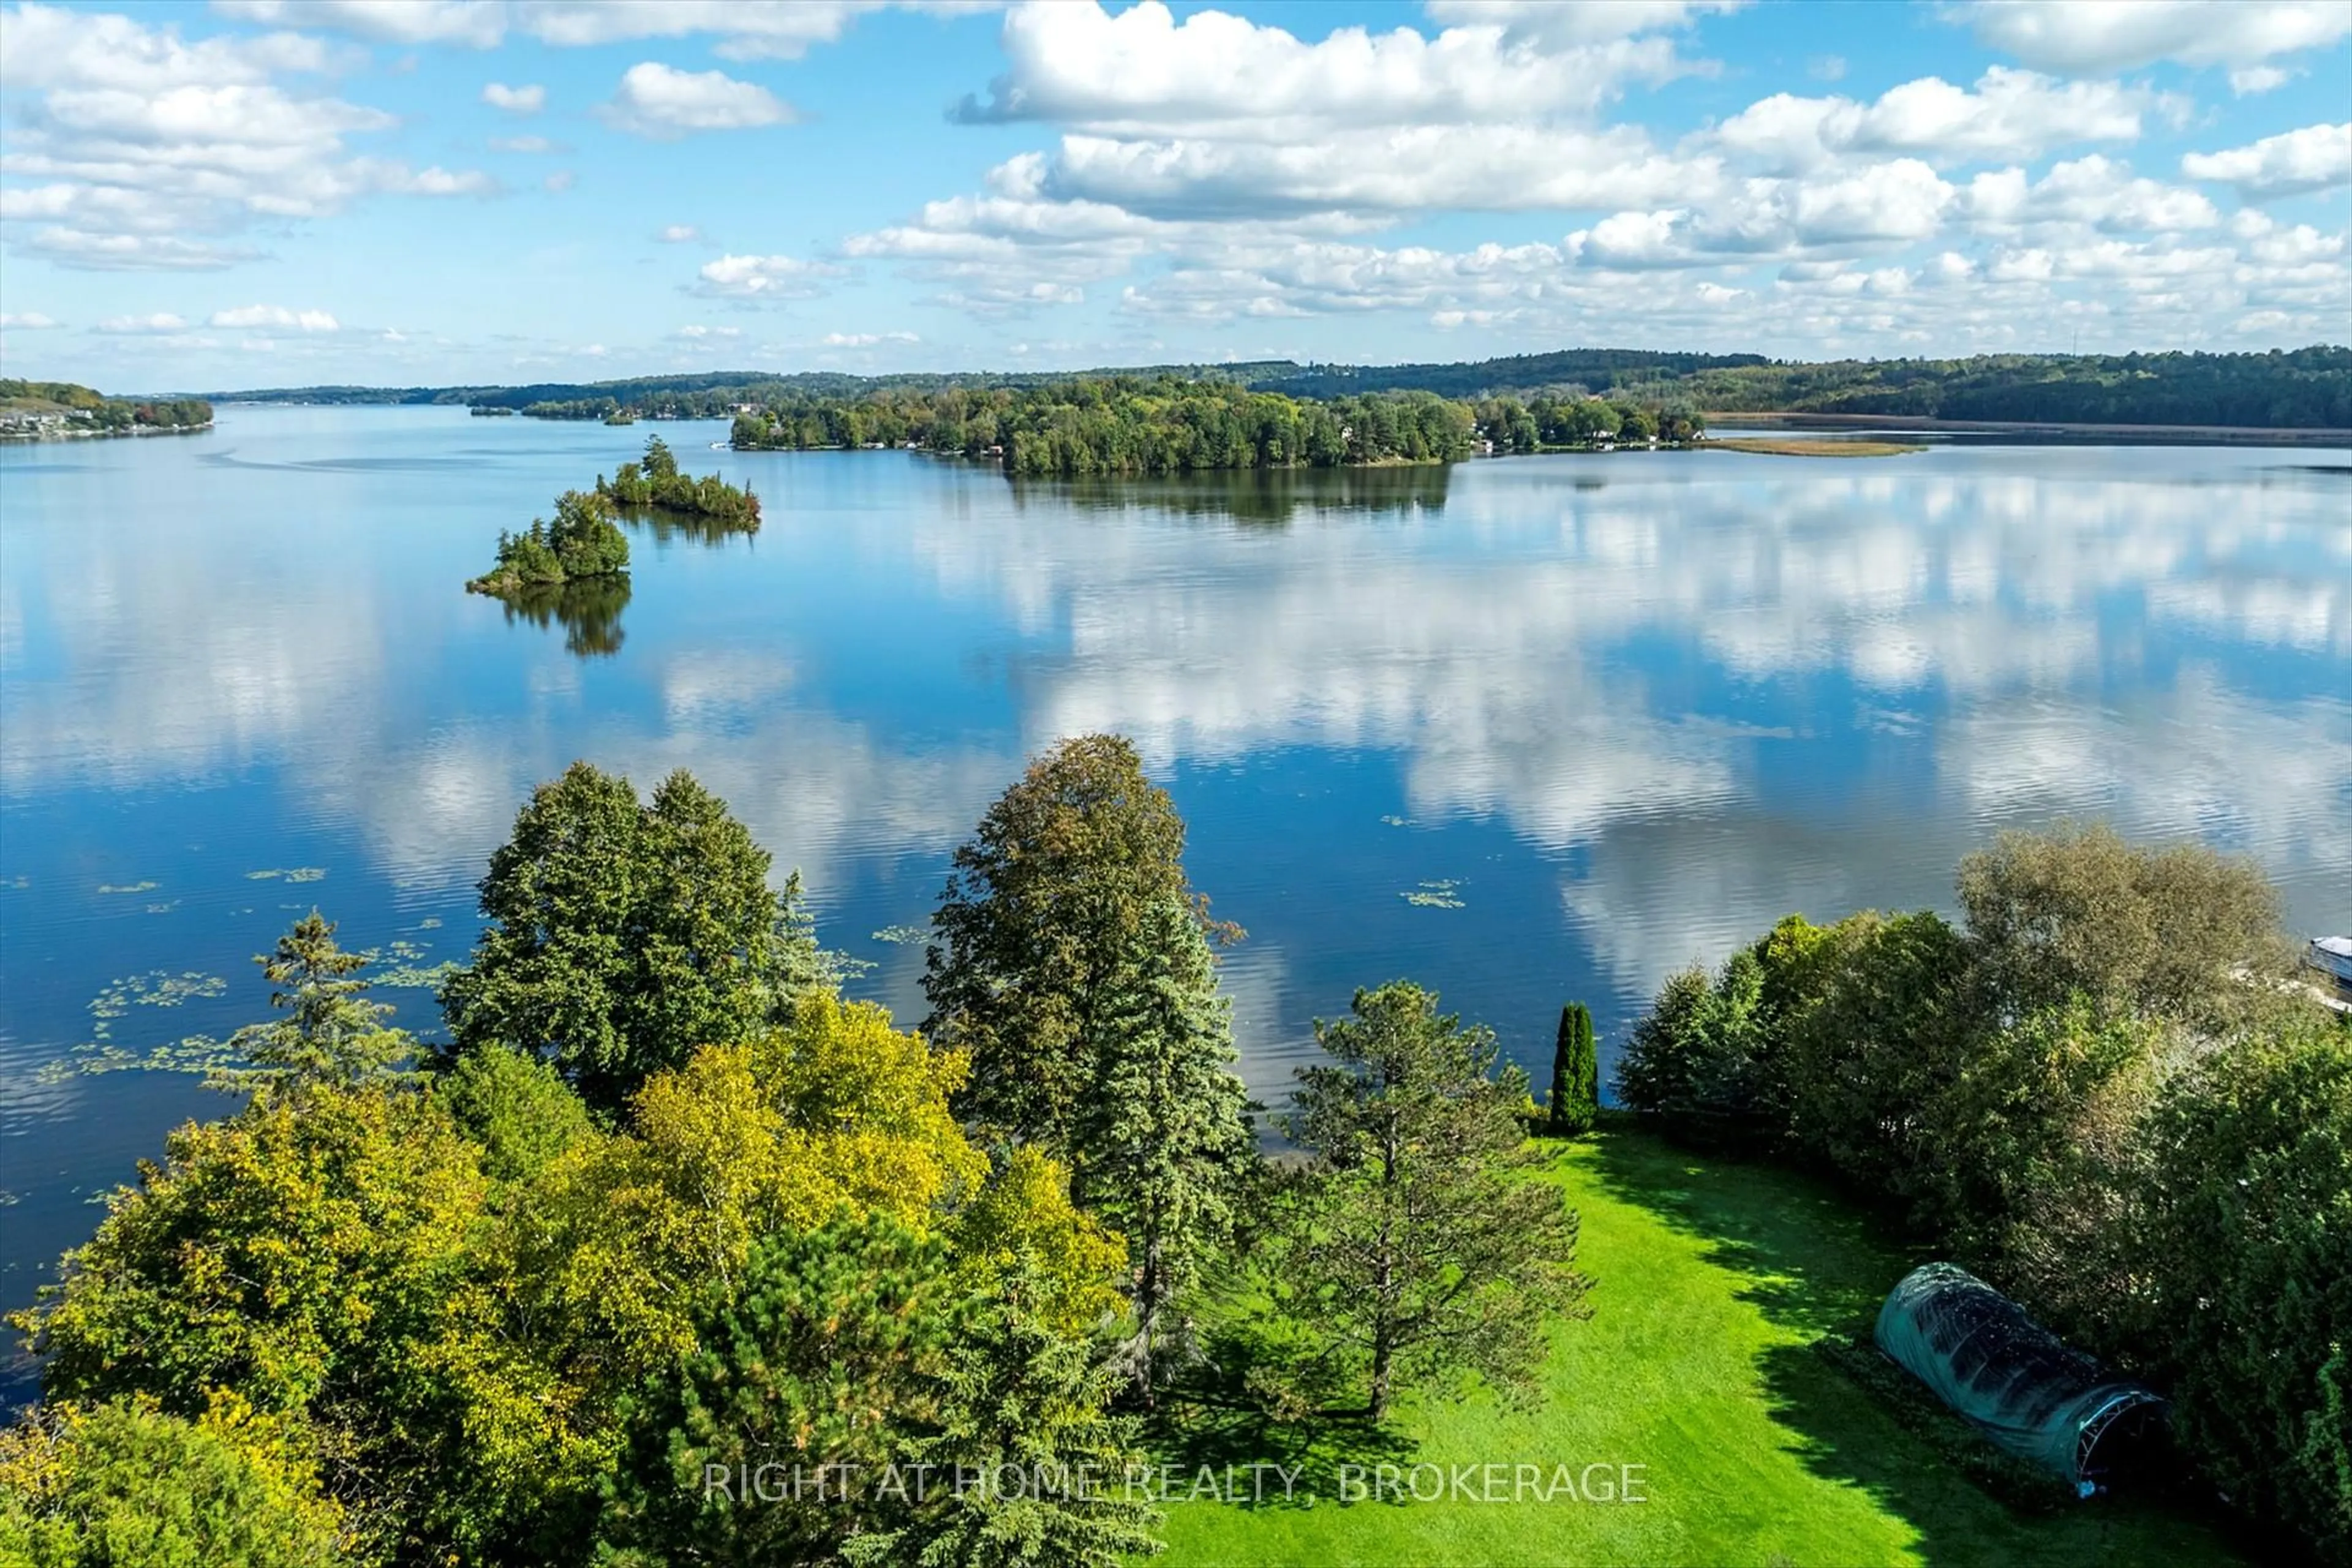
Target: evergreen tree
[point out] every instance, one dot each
(330, 1032)
(807, 1377)
(1425, 1251)
(1073, 964)
(1575, 1101)
(1020, 1402)
(1164, 1135)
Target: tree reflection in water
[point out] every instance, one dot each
(1260, 496)
(590, 609)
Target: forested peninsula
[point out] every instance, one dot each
(63, 410)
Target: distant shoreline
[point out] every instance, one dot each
(1771, 448)
(28, 438)
(2180, 434)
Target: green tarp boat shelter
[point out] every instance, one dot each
(2014, 1380)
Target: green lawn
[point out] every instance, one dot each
(1712, 1279)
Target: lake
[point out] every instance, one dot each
(1525, 730)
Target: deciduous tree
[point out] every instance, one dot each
(625, 934)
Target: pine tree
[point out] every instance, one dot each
(1575, 1075)
(1424, 1250)
(824, 1358)
(330, 1032)
(1021, 1403)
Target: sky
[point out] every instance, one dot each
(277, 192)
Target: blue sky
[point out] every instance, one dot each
(282, 192)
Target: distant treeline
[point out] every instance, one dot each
(1595, 370)
(26, 406)
(2307, 389)
(2302, 389)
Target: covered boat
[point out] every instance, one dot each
(2332, 955)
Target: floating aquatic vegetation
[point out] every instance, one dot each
(430, 922)
(197, 1054)
(163, 909)
(155, 988)
(307, 874)
(18, 882)
(263, 876)
(840, 968)
(413, 976)
(1397, 821)
(129, 887)
(1438, 895)
(902, 935)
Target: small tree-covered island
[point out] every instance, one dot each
(663, 1249)
(584, 545)
(656, 483)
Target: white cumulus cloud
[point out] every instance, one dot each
(528, 100)
(665, 103)
(2095, 38)
(153, 151)
(1143, 73)
(2311, 159)
(2008, 114)
(763, 278)
(251, 316)
(747, 29)
(131, 326)
(24, 322)
(2095, 192)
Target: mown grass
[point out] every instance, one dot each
(1715, 1282)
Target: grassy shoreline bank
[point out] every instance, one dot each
(1717, 1283)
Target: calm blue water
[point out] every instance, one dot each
(1608, 714)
